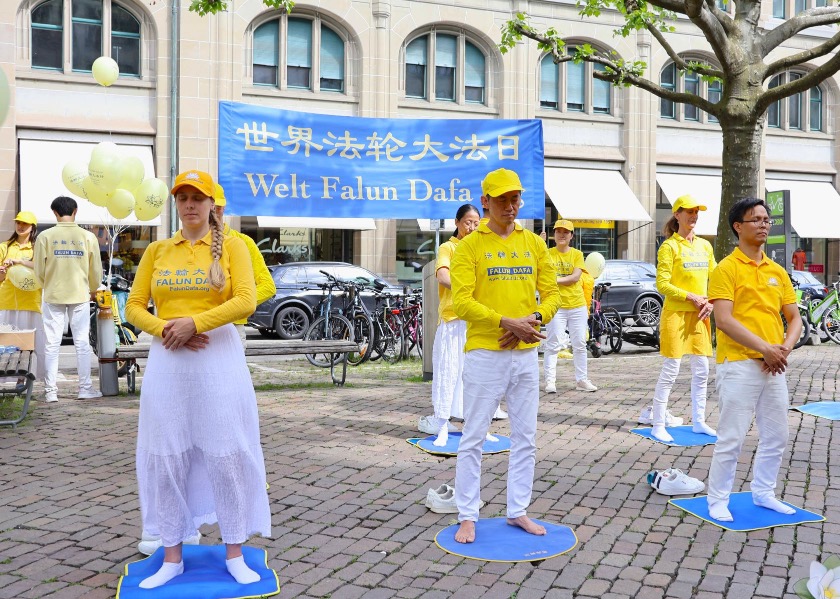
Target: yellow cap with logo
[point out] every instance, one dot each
(499, 182)
(26, 217)
(564, 224)
(686, 202)
(219, 198)
(202, 181)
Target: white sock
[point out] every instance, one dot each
(720, 512)
(491, 438)
(702, 427)
(771, 503)
(167, 572)
(240, 571)
(443, 434)
(658, 432)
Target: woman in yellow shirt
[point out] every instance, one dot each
(684, 262)
(199, 459)
(18, 308)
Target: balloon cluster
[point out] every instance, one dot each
(116, 182)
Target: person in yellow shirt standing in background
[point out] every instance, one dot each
(684, 263)
(262, 276)
(496, 273)
(199, 458)
(568, 264)
(68, 264)
(749, 292)
(19, 308)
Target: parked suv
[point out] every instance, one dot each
(289, 313)
(632, 291)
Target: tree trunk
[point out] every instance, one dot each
(742, 141)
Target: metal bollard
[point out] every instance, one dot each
(106, 344)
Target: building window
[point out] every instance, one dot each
(779, 9)
(459, 74)
(313, 55)
(802, 111)
(691, 83)
(94, 25)
(571, 87)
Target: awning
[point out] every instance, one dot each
(302, 222)
(814, 207)
(704, 188)
(579, 193)
(41, 163)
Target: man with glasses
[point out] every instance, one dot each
(749, 291)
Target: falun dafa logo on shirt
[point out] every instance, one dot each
(773, 282)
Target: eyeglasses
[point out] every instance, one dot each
(760, 222)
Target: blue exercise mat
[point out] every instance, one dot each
(498, 541)
(683, 436)
(746, 515)
(821, 409)
(451, 447)
(205, 576)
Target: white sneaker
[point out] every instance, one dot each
(674, 482)
(442, 500)
(149, 544)
(586, 385)
(500, 414)
(89, 394)
(427, 424)
(550, 388)
(51, 397)
(646, 417)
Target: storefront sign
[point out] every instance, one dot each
(777, 247)
(594, 224)
(816, 268)
(281, 163)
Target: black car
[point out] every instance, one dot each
(632, 291)
(289, 313)
(809, 284)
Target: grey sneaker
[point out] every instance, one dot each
(586, 385)
(427, 425)
(442, 500)
(149, 543)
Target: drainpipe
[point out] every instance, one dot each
(174, 92)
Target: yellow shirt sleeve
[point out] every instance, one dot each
(141, 291)
(665, 270)
(462, 272)
(39, 260)
(244, 299)
(266, 289)
(444, 260)
(550, 297)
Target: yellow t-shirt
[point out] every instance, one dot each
(12, 298)
(444, 259)
(266, 289)
(683, 267)
(68, 264)
(492, 277)
(571, 296)
(757, 292)
(174, 273)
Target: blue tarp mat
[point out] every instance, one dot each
(498, 541)
(746, 515)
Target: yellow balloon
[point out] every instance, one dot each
(106, 171)
(105, 70)
(151, 193)
(23, 278)
(595, 264)
(95, 194)
(5, 96)
(133, 172)
(73, 174)
(121, 203)
(145, 213)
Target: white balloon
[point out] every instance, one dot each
(23, 278)
(595, 264)
(105, 70)
(73, 173)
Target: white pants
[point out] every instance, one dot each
(448, 366)
(573, 319)
(55, 317)
(699, 384)
(488, 377)
(745, 392)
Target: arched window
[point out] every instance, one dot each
(459, 73)
(688, 82)
(94, 25)
(571, 87)
(802, 111)
(312, 55)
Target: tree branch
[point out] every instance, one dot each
(711, 27)
(787, 62)
(811, 79)
(678, 60)
(813, 17)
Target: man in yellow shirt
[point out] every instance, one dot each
(568, 263)
(262, 276)
(495, 276)
(68, 264)
(749, 291)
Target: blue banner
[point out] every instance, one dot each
(281, 163)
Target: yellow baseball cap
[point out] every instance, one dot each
(564, 224)
(686, 202)
(500, 182)
(202, 181)
(26, 217)
(219, 198)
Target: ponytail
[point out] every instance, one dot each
(216, 274)
(671, 227)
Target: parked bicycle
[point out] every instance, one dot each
(329, 324)
(125, 333)
(388, 329)
(824, 316)
(802, 304)
(604, 325)
(412, 316)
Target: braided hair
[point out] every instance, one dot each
(217, 275)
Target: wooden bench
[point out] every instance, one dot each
(259, 347)
(17, 365)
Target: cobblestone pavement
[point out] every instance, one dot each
(347, 492)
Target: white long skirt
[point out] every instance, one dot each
(27, 319)
(199, 459)
(448, 365)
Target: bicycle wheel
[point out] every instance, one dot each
(831, 324)
(806, 330)
(363, 335)
(392, 349)
(612, 326)
(333, 327)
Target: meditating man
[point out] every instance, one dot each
(495, 275)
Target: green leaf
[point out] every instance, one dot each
(801, 589)
(832, 562)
